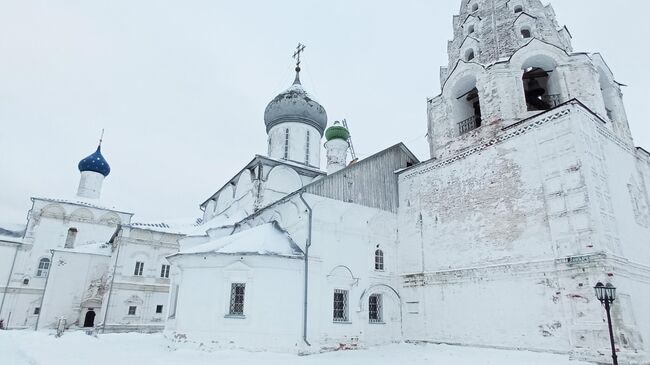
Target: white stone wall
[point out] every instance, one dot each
(344, 239)
(297, 143)
(493, 228)
(145, 292)
(77, 282)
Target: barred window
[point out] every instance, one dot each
(139, 268)
(237, 291)
(43, 267)
(375, 309)
(340, 305)
(286, 144)
(307, 149)
(379, 260)
(164, 271)
(132, 309)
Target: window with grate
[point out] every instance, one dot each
(340, 313)
(237, 291)
(43, 267)
(375, 309)
(379, 260)
(139, 268)
(164, 271)
(307, 148)
(159, 308)
(286, 144)
(132, 310)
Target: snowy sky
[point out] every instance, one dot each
(181, 86)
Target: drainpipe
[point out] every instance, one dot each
(4, 294)
(307, 245)
(47, 279)
(110, 290)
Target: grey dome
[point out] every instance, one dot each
(295, 105)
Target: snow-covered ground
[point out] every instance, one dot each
(77, 348)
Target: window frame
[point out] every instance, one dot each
(41, 271)
(237, 300)
(379, 260)
(139, 268)
(164, 271)
(378, 311)
(341, 306)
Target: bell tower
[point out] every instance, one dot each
(510, 60)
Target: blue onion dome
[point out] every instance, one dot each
(295, 105)
(96, 163)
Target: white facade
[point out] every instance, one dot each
(76, 257)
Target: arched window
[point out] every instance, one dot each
(536, 89)
(25, 281)
(471, 29)
(43, 267)
(375, 314)
(469, 55)
(474, 7)
(525, 33)
(519, 9)
(379, 260)
(69, 240)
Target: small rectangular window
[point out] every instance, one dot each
(164, 271)
(132, 309)
(379, 260)
(307, 147)
(139, 268)
(286, 144)
(340, 305)
(159, 309)
(237, 291)
(375, 309)
(37, 310)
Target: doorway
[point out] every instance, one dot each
(89, 321)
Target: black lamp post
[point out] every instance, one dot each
(607, 294)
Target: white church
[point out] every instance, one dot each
(533, 193)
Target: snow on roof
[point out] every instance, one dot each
(81, 202)
(219, 221)
(267, 239)
(174, 226)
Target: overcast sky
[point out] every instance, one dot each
(181, 86)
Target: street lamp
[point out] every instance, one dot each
(607, 294)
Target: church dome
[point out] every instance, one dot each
(96, 163)
(337, 131)
(295, 105)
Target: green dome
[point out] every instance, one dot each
(337, 131)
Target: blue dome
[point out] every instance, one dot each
(96, 163)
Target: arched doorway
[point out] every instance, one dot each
(89, 320)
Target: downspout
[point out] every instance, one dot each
(4, 294)
(110, 290)
(307, 245)
(47, 279)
